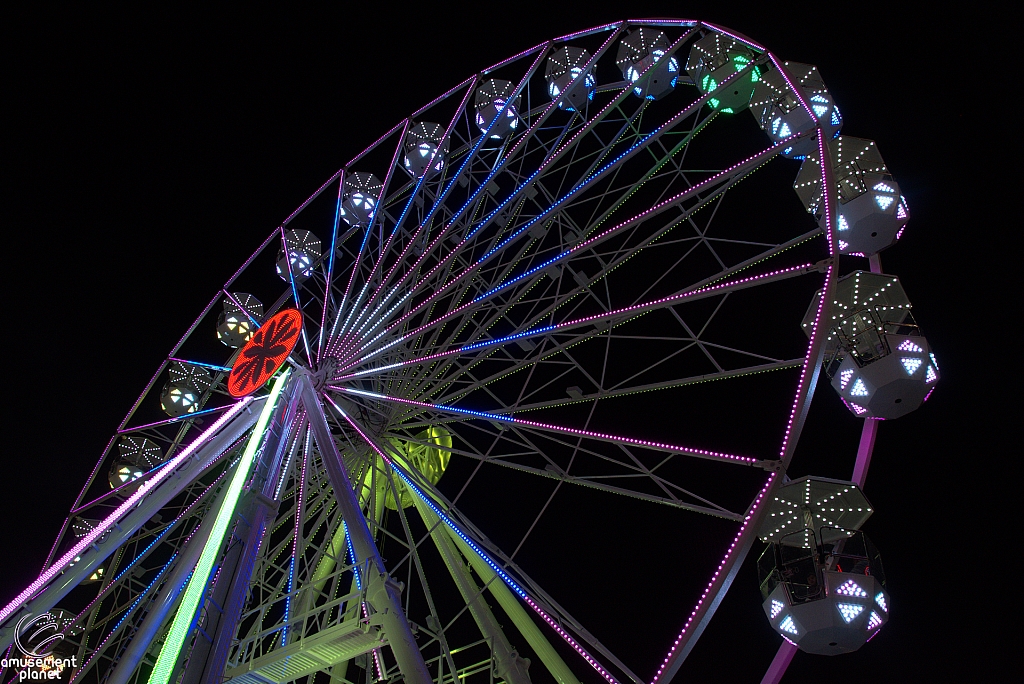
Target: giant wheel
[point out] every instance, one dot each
(544, 301)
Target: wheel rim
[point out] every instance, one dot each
(382, 322)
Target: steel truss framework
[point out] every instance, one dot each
(556, 302)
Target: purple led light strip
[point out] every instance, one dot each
(129, 503)
(588, 32)
(300, 501)
(734, 36)
(702, 453)
(718, 574)
(631, 310)
(593, 662)
(662, 22)
(785, 453)
(188, 511)
(797, 92)
(376, 142)
(179, 419)
(234, 300)
(513, 58)
(246, 263)
(311, 198)
(441, 97)
(826, 190)
(330, 267)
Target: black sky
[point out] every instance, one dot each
(146, 153)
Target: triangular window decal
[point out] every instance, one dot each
(851, 588)
(911, 364)
(849, 611)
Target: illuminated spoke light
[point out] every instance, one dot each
(859, 389)
(777, 607)
(849, 611)
(930, 375)
(911, 365)
(908, 346)
(787, 625)
(844, 378)
(874, 621)
(883, 201)
(851, 588)
(880, 600)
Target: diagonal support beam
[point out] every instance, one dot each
(382, 591)
(167, 482)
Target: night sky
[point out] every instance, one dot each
(146, 155)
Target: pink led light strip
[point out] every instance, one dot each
(632, 310)
(593, 662)
(704, 453)
(129, 503)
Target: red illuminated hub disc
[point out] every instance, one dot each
(265, 352)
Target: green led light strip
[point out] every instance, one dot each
(196, 588)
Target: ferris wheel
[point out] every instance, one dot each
(538, 314)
